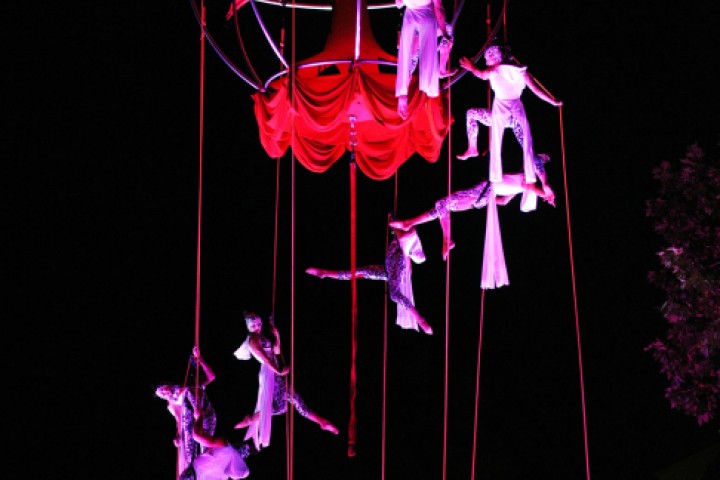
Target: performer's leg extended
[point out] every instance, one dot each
(369, 272)
(296, 400)
(401, 300)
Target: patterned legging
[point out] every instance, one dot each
(483, 115)
(392, 273)
(281, 398)
(479, 192)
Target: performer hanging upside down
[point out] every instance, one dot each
(477, 197)
(445, 44)
(273, 393)
(507, 79)
(422, 18)
(404, 247)
(182, 402)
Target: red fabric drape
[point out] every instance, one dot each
(324, 103)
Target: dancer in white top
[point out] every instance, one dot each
(507, 79)
(273, 392)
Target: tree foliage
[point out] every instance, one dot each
(686, 215)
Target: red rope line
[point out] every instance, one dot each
(383, 453)
(292, 317)
(290, 418)
(200, 192)
(575, 300)
(275, 235)
(200, 178)
(446, 375)
(476, 416)
(477, 386)
(352, 425)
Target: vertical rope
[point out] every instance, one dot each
(201, 135)
(352, 425)
(200, 177)
(476, 416)
(477, 386)
(504, 15)
(275, 235)
(575, 301)
(292, 316)
(290, 418)
(446, 373)
(385, 335)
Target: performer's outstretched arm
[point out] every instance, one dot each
(533, 86)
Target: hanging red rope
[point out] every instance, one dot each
(290, 418)
(477, 385)
(575, 301)
(200, 196)
(352, 425)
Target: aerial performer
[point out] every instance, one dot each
(507, 79)
(220, 459)
(397, 271)
(422, 19)
(478, 197)
(273, 392)
(182, 402)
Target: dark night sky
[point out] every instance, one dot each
(101, 228)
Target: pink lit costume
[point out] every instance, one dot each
(508, 82)
(221, 463)
(273, 395)
(419, 19)
(189, 449)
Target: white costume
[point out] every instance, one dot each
(220, 463)
(419, 19)
(508, 82)
(260, 430)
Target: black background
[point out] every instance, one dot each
(101, 229)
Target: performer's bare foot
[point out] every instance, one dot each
(398, 225)
(470, 152)
(447, 73)
(247, 420)
(328, 427)
(447, 246)
(402, 108)
(549, 195)
(317, 272)
(424, 325)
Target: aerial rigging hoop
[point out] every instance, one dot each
(244, 50)
(217, 49)
(320, 6)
